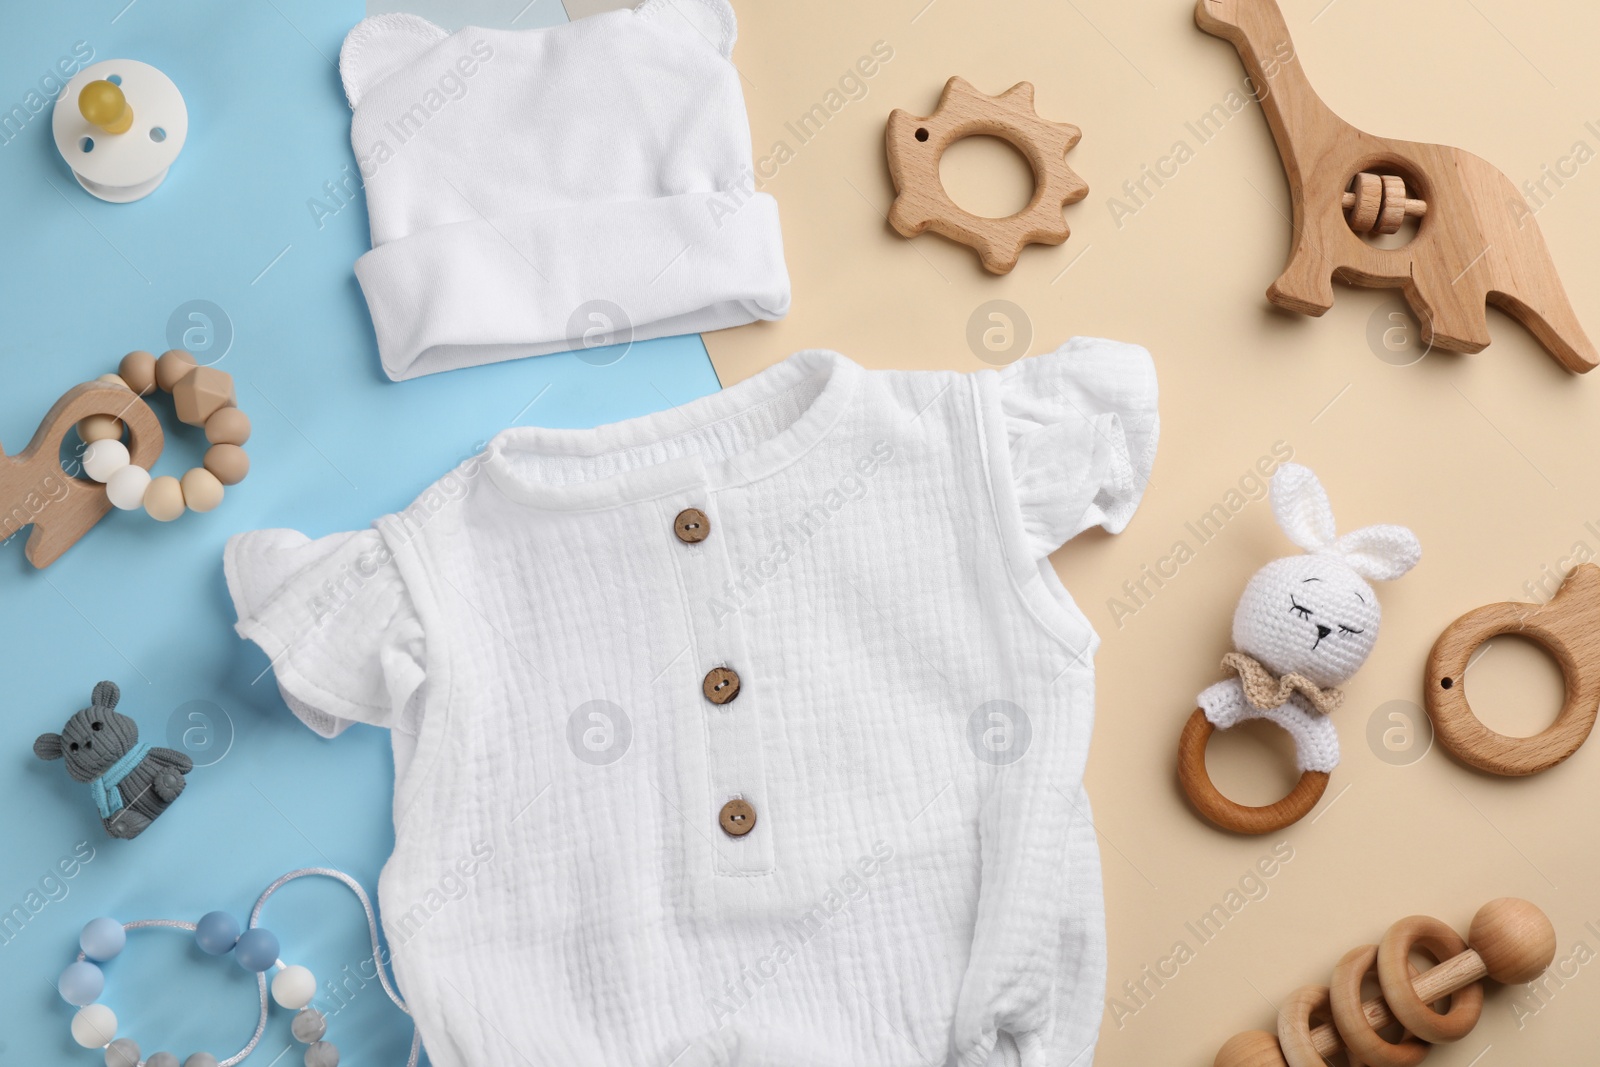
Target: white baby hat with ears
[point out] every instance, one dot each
(536, 191)
(1311, 616)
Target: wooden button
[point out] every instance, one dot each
(737, 818)
(721, 685)
(691, 526)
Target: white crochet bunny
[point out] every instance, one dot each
(1307, 623)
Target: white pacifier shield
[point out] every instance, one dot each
(122, 167)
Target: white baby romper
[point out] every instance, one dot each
(878, 853)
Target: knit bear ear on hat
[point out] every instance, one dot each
(381, 45)
(1315, 614)
(711, 19)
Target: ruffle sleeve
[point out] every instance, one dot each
(1082, 424)
(336, 619)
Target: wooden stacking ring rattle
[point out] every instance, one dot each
(1569, 628)
(915, 145)
(1511, 941)
(1228, 814)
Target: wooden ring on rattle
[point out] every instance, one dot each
(1394, 976)
(1228, 814)
(1568, 626)
(1294, 1025)
(1361, 1038)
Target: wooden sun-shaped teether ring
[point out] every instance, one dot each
(1228, 814)
(1569, 627)
(915, 145)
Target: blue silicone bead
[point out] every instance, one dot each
(216, 933)
(257, 949)
(81, 983)
(102, 939)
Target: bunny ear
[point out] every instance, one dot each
(1302, 507)
(1381, 553)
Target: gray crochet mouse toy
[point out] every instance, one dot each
(132, 782)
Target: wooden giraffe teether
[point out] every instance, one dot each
(1569, 627)
(1476, 241)
(33, 487)
(915, 145)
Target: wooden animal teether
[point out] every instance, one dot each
(1476, 240)
(915, 145)
(1511, 941)
(1304, 625)
(1569, 627)
(33, 487)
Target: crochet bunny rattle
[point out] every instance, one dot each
(1304, 625)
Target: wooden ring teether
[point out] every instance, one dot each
(1399, 992)
(915, 145)
(1360, 1037)
(1568, 626)
(1225, 813)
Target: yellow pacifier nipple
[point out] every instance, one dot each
(104, 104)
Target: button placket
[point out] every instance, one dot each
(737, 819)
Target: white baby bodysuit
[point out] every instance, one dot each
(877, 852)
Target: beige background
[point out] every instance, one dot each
(1488, 457)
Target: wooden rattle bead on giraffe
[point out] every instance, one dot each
(1510, 941)
(1379, 203)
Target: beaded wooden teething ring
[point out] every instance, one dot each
(1511, 941)
(915, 145)
(203, 397)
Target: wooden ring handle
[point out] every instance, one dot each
(1399, 988)
(1350, 1020)
(1218, 809)
(1568, 626)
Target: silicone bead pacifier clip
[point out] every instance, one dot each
(255, 948)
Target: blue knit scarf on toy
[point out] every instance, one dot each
(107, 797)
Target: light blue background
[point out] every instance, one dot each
(335, 445)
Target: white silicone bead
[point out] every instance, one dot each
(95, 1026)
(293, 987)
(104, 458)
(125, 489)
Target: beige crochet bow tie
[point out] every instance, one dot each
(1266, 691)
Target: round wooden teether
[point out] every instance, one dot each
(1511, 941)
(1569, 627)
(1229, 815)
(915, 145)
(1395, 977)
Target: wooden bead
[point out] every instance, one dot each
(163, 501)
(171, 367)
(228, 426)
(1515, 939)
(138, 370)
(1363, 201)
(1253, 1048)
(201, 490)
(94, 428)
(228, 462)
